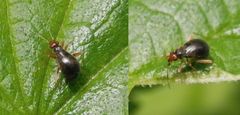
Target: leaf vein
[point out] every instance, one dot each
(16, 75)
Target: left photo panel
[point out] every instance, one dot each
(64, 57)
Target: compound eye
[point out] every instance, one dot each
(54, 44)
(174, 56)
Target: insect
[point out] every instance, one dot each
(67, 62)
(195, 50)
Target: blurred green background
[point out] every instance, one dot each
(195, 99)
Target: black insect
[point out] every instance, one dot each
(68, 64)
(195, 50)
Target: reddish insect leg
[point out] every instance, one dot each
(65, 48)
(189, 62)
(180, 67)
(205, 61)
(57, 76)
(52, 55)
(62, 44)
(189, 38)
(76, 54)
(190, 65)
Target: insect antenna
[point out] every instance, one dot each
(42, 37)
(52, 38)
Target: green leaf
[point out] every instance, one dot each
(30, 83)
(157, 27)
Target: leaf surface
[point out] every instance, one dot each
(30, 83)
(157, 27)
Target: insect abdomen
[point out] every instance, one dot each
(68, 64)
(196, 48)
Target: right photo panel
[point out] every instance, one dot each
(184, 57)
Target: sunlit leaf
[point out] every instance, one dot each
(30, 83)
(157, 27)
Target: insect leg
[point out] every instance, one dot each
(204, 61)
(58, 69)
(189, 63)
(66, 46)
(52, 55)
(180, 68)
(57, 78)
(62, 44)
(76, 54)
(189, 38)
